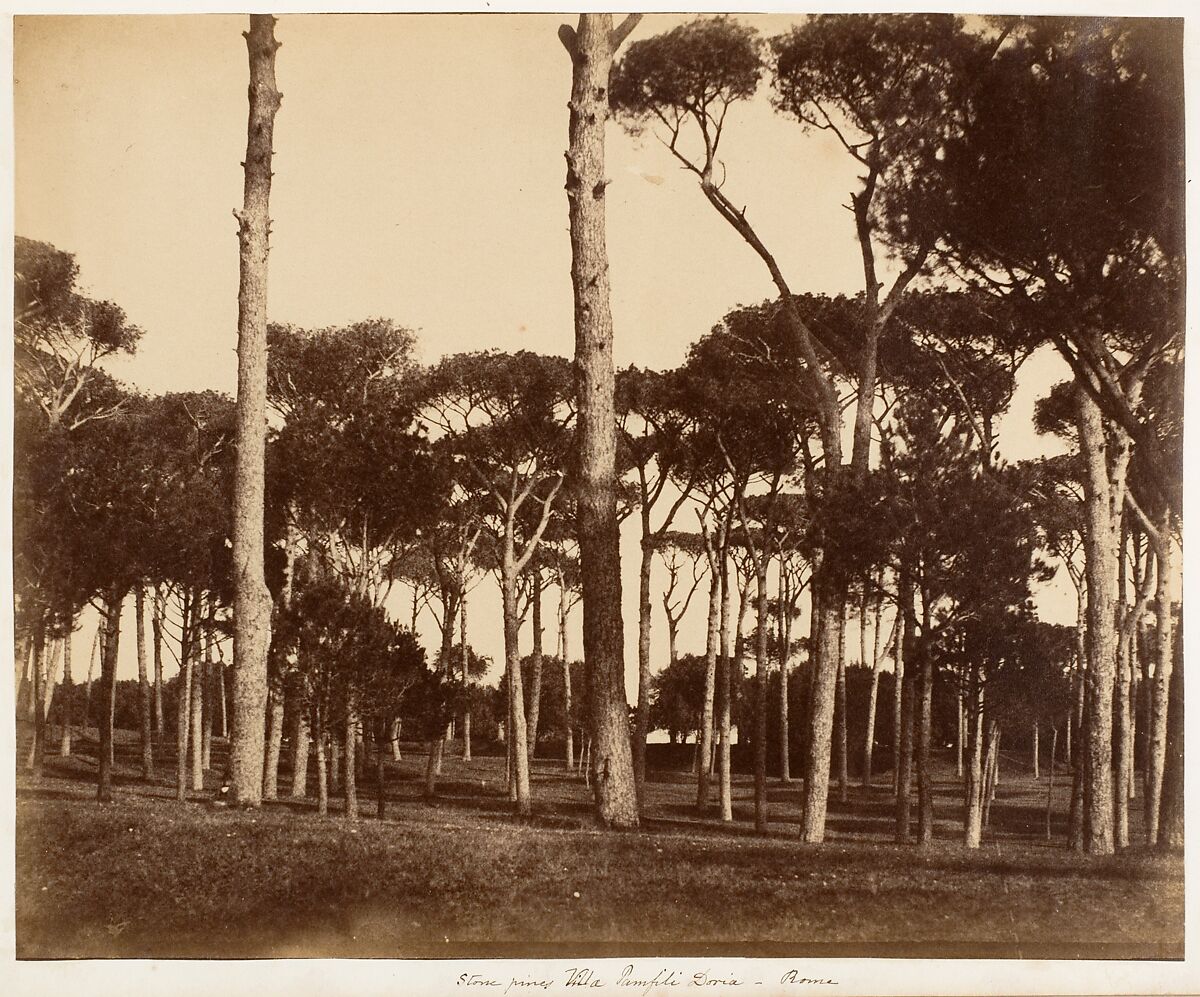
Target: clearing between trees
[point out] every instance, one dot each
(149, 877)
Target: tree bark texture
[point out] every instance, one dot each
(710, 686)
(591, 47)
(642, 715)
(252, 600)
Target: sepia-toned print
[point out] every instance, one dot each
(558, 487)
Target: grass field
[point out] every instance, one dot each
(148, 876)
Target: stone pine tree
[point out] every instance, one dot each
(591, 46)
(252, 600)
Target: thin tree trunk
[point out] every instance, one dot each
(990, 764)
(349, 779)
(156, 614)
(275, 714)
(39, 693)
(1162, 675)
(1037, 772)
(197, 704)
(322, 766)
(973, 822)
(139, 595)
(1050, 783)
(591, 47)
(68, 695)
(466, 674)
(642, 715)
(335, 763)
(300, 742)
(381, 732)
(535, 669)
(1170, 823)
(568, 726)
(710, 686)
(959, 735)
(785, 654)
(183, 701)
(840, 723)
(97, 644)
(904, 794)
(760, 701)
(925, 815)
(725, 678)
(252, 600)
(515, 734)
(108, 686)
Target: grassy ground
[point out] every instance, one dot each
(148, 876)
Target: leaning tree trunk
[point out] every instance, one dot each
(251, 599)
(710, 686)
(108, 688)
(591, 48)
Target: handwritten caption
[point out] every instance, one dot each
(633, 981)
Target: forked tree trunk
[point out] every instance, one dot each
(591, 47)
(108, 687)
(146, 706)
(252, 600)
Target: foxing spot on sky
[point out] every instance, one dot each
(418, 175)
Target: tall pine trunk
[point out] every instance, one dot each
(785, 654)
(1100, 544)
(1159, 716)
(466, 677)
(39, 694)
(108, 688)
(197, 739)
(252, 600)
(275, 714)
(183, 701)
(144, 701)
(591, 48)
(760, 701)
(642, 714)
(68, 696)
(973, 820)
(535, 669)
(349, 780)
(156, 614)
(725, 680)
(710, 686)
(514, 732)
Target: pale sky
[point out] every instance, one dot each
(418, 175)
